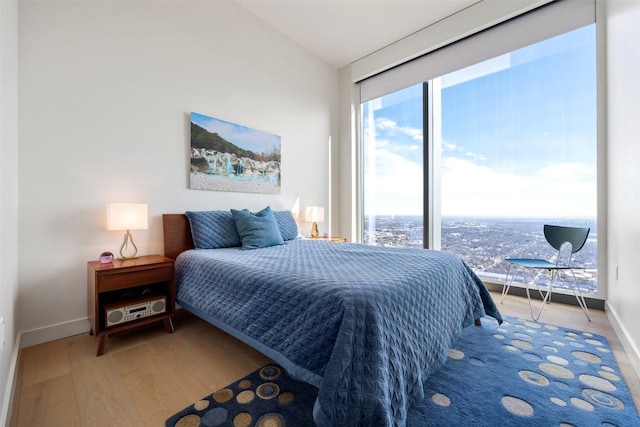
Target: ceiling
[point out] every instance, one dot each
(343, 31)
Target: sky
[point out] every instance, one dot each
(242, 136)
(517, 137)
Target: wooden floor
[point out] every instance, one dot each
(148, 375)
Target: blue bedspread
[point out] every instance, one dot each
(366, 325)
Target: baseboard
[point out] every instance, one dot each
(630, 347)
(54, 332)
(557, 295)
(12, 380)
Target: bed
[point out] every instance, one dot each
(365, 325)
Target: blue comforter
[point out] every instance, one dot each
(366, 325)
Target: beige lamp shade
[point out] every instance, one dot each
(314, 214)
(127, 216)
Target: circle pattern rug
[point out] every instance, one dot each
(520, 373)
(525, 373)
(268, 397)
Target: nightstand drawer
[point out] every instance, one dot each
(113, 280)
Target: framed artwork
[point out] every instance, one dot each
(230, 157)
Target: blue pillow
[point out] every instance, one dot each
(286, 224)
(257, 230)
(213, 229)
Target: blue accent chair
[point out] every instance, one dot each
(567, 241)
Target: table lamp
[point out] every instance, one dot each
(127, 216)
(314, 214)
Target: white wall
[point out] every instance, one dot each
(8, 198)
(623, 138)
(105, 91)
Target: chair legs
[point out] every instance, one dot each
(507, 283)
(545, 294)
(546, 297)
(576, 292)
(507, 286)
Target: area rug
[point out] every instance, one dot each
(268, 397)
(520, 373)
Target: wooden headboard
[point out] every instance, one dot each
(177, 234)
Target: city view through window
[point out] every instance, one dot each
(484, 243)
(514, 146)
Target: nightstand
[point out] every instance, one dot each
(331, 239)
(128, 294)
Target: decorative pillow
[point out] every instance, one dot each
(213, 229)
(257, 230)
(286, 224)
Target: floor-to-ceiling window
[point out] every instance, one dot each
(507, 145)
(393, 150)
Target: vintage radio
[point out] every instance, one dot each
(134, 309)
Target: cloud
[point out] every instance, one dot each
(450, 147)
(393, 185)
(556, 191)
(572, 172)
(385, 124)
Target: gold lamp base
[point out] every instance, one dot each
(314, 230)
(131, 251)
